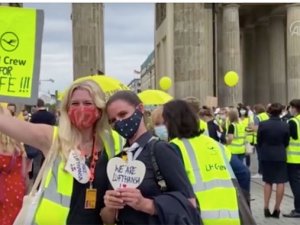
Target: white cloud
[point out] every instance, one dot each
(128, 33)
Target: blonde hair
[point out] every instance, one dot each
(68, 135)
(157, 115)
(233, 115)
(8, 145)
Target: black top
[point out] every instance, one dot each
(171, 168)
(78, 214)
(293, 129)
(230, 129)
(272, 139)
(215, 132)
(43, 116)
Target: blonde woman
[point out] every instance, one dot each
(236, 135)
(74, 187)
(12, 176)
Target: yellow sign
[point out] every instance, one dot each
(20, 50)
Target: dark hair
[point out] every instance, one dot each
(181, 120)
(296, 104)
(127, 96)
(194, 103)
(40, 103)
(12, 104)
(206, 111)
(259, 108)
(245, 108)
(275, 109)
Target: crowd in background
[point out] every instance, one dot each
(271, 132)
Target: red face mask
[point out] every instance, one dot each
(83, 117)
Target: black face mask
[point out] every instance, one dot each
(129, 126)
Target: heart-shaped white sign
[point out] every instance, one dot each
(123, 174)
(77, 168)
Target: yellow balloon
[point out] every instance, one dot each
(165, 83)
(231, 78)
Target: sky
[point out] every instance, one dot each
(128, 40)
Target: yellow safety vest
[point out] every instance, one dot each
(237, 145)
(117, 141)
(55, 203)
(249, 134)
(293, 150)
(261, 117)
(202, 125)
(210, 174)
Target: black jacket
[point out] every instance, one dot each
(175, 208)
(272, 139)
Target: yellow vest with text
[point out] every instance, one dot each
(210, 174)
(237, 145)
(293, 150)
(261, 117)
(55, 203)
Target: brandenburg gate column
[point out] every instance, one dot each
(293, 51)
(277, 59)
(262, 63)
(231, 54)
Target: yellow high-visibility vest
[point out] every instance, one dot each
(237, 145)
(202, 125)
(55, 203)
(249, 134)
(210, 174)
(293, 150)
(261, 117)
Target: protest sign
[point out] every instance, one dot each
(20, 53)
(122, 174)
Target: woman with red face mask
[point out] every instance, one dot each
(73, 191)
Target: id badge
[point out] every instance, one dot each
(90, 198)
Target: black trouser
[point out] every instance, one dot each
(294, 179)
(248, 160)
(258, 159)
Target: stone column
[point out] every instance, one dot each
(193, 50)
(231, 54)
(293, 51)
(277, 60)
(262, 63)
(88, 39)
(249, 81)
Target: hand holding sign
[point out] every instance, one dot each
(125, 174)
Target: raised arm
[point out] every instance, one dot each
(36, 135)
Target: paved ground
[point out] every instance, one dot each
(257, 203)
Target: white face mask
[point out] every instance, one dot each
(161, 132)
(222, 117)
(243, 112)
(292, 111)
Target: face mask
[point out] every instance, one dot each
(222, 117)
(84, 116)
(243, 112)
(161, 132)
(129, 126)
(292, 111)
